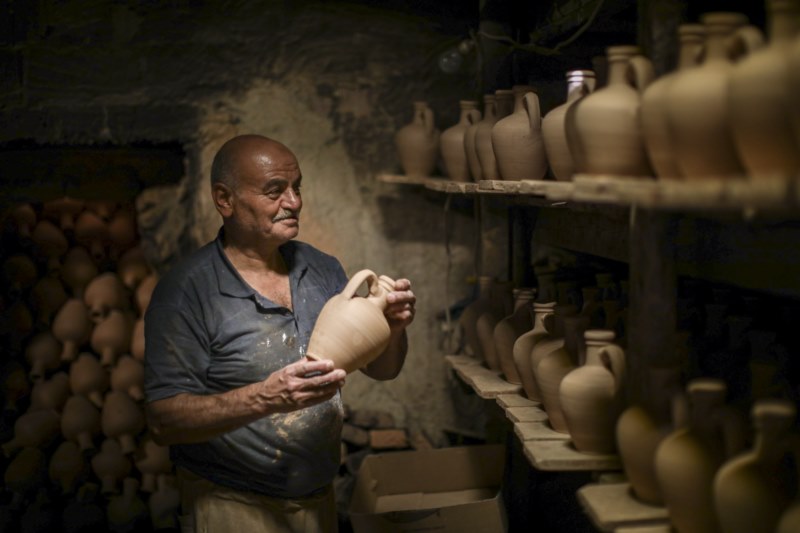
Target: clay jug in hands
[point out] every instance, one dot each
(655, 120)
(606, 124)
(122, 419)
(579, 84)
(72, 326)
(112, 337)
(471, 140)
(523, 347)
(89, 378)
(80, 422)
(454, 156)
(509, 329)
(483, 139)
(352, 330)
(517, 139)
(418, 142)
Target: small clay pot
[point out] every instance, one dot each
(47, 297)
(80, 422)
(133, 267)
(50, 393)
(128, 376)
(43, 353)
(89, 378)
(104, 293)
(111, 466)
(63, 211)
(72, 326)
(152, 461)
(112, 337)
(67, 467)
(78, 270)
(34, 429)
(50, 243)
(92, 232)
(122, 419)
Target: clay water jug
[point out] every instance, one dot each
(34, 429)
(471, 140)
(110, 466)
(604, 127)
(143, 293)
(112, 337)
(137, 340)
(504, 102)
(352, 330)
(579, 84)
(655, 120)
(78, 270)
(127, 376)
(523, 347)
(501, 304)
(50, 244)
(122, 232)
(469, 316)
(687, 460)
(80, 422)
(418, 142)
(92, 232)
(72, 326)
(122, 419)
(483, 139)
(88, 378)
(510, 328)
(592, 395)
(67, 467)
(753, 489)
(698, 102)
(517, 139)
(760, 94)
(133, 267)
(47, 296)
(43, 354)
(19, 274)
(25, 474)
(151, 461)
(164, 503)
(63, 212)
(50, 393)
(127, 512)
(454, 156)
(104, 293)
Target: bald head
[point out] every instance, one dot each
(236, 154)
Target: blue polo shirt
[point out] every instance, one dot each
(207, 331)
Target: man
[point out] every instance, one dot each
(253, 426)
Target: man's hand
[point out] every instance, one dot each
(300, 384)
(400, 311)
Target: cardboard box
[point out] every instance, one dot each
(444, 490)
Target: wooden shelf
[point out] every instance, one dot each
(526, 414)
(515, 400)
(487, 383)
(612, 508)
(561, 456)
(537, 430)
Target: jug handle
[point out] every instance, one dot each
(640, 72)
(358, 278)
(531, 103)
(427, 119)
(613, 358)
(744, 41)
(548, 321)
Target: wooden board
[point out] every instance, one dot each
(561, 456)
(515, 400)
(486, 383)
(538, 430)
(526, 414)
(611, 506)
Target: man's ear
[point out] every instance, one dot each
(223, 198)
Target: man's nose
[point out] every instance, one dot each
(291, 198)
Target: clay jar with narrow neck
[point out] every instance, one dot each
(760, 93)
(80, 422)
(454, 156)
(509, 329)
(483, 139)
(78, 270)
(517, 139)
(66, 466)
(352, 330)
(418, 142)
(592, 395)
(698, 103)
(579, 84)
(606, 128)
(655, 121)
(469, 317)
(122, 419)
(471, 139)
(72, 326)
(523, 348)
(501, 304)
(51, 244)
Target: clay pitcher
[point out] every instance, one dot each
(752, 490)
(579, 84)
(760, 94)
(152, 461)
(104, 293)
(128, 376)
(34, 429)
(111, 466)
(43, 354)
(50, 243)
(501, 303)
(72, 326)
(112, 337)
(523, 347)
(63, 211)
(454, 156)
(592, 395)
(418, 142)
(67, 466)
(89, 378)
(50, 393)
(483, 139)
(47, 297)
(132, 267)
(122, 419)
(517, 139)
(78, 270)
(472, 312)
(604, 128)
(80, 422)
(352, 330)
(504, 102)
(655, 120)
(509, 329)
(471, 140)
(92, 232)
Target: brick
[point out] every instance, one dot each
(419, 441)
(387, 439)
(355, 435)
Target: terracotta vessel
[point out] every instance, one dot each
(19, 273)
(89, 378)
(104, 293)
(152, 461)
(50, 244)
(164, 503)
(523, 347)
(111, 466)
(143, 293)
(655, 120)
(43, 354)
(509, 329)
(500, 305)
(80, 422)
(752, 490)
(67, 467)
(78, 270)
(517, 139)
(92, 232)
(47, 297)
(504, 102)
(687, 460)
(122, 419)
(452, 142)
(591, 396)
(22, 219)
(17, 325)
(603, 128)
(51, 393)
(34, 429)
(418, 142)
(469, 316)
(63, 212)
(352, 330)
(122, 232)
(128, 376)
(137, 340)
(133, 267)
(14, 385)
(112, 337)
(483, 139)
(698, 104)
(471, 140)
(127, 511)
(579, 84)
(104, 209)
(760, 94)
(72, 326)
(25, 474)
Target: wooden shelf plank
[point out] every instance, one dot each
(404, 179)
(448, 186)
(515, 400)
(663, 528)
(486, 383)
(560, 456)
(611, 507)
(526, 414)
(538, 430)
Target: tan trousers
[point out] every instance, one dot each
(211, 508)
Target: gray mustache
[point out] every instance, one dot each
(284, 214)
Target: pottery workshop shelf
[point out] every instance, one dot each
(486, 383)
(612, 508)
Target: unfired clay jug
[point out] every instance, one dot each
(698, 102)
(471, 140)
(72, 326)
(111, 337)
(352, 330)
(133, 267)
(63, 211)
(501, 304)
(25, 474)
(78, 270)
(151, 461)
(591, 396)
(127, 375)
(67, 466)
(80, 422)
(104, 293)
(752, 490)
(164, 503)
(43, 354)
(92, 232)
(22, 220)
(523, 347)
(418, 142)
(122, 232)
(655, 120)
(89, 378)
(469, 317)
(517, 139)
(50, 393)
(509, 329)
(483, 139)
(454, 156)
(34, 429)
(604, 128)
(82, 512)
(122, 419)
(47, 296)
(50, 243)
(111, 466)
(14, 384)
(579, 84)
(760, 95)
(127, 511)
(19, 274)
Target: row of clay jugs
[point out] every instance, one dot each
(418, 142)
(603, 128)
(510, 328)
(523, 348)
(554, 132)
(454, 157)
(517, 139)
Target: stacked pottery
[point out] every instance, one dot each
(517, 139)
(752, 490)
(454, 156)
(655, 121)
(471, 139)
(523, 348)
(63, 211)
(760, 95)
(418, 142)
(698, 102)
(579, 84)
(483, 138)
(509, 329)
(604, 128)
